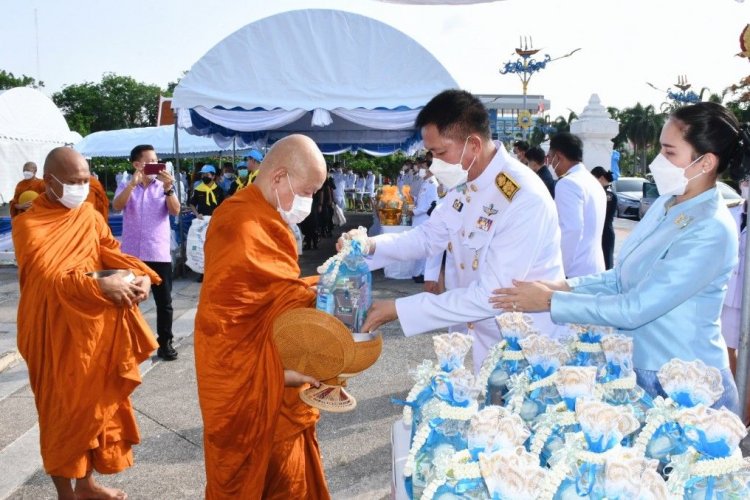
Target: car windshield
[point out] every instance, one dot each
(650, 190)
(624, 185)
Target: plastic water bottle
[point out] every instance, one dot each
(345, 288)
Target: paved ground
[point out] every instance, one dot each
(169, 462)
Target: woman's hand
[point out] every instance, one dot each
(526, 296)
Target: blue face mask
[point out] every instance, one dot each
(243, 172)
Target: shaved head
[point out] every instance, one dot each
(64, 165)
(29, 166)
(293, 165)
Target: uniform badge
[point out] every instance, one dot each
(490, 210)
(507, 185)
(458, 205)
(683, 220)
(484, 223)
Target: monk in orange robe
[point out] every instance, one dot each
(30, 182)
(82, 338)
(259, 437)
(98, 197)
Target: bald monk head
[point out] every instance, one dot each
(66, 166)
(29, 166)
(294, 165)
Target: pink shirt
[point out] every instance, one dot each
(145, 223)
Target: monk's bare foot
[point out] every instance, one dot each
(96, 491)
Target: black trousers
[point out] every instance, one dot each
(163, 298)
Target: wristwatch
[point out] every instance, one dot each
(169, 193)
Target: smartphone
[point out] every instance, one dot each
(153, 168)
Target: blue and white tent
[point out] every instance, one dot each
(345, 80)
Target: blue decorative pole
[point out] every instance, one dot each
(525, 66)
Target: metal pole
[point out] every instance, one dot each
(180, 271)
(234, 151)
(743, 350)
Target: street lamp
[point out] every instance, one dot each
(525, 66)
(684, 96)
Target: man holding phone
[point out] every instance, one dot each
(147, 200)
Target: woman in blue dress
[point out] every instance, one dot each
(668, 284)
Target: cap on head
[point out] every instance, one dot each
(208, 169)
(242, 164)
(256, 155)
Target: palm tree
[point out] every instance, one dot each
(642, 126)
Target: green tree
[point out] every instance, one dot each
(642, 126)
(8, 81)
(739, 99)
(114, 103)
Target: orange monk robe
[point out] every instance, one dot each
(259, 437)
(33, 184)
(81, 349)
(98, 197)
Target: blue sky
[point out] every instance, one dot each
(624, 42)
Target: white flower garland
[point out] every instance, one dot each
(686, 466)
(509, 355)
(524, 386)
(661, 413)
(445, 411)
(359, 235)
(490, 362)
(557, 415)
(461, 468)
(720, 466)
(587, 347)
(423, 375)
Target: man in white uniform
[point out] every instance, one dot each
(339, 179)
(369, 194)
(581, 206)
(498, 223)
(427, 195)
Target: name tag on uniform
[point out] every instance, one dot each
(484, 223)
(458, 205)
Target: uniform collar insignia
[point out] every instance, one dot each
(507, 185)
(490, 210)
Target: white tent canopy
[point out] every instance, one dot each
(30, 127)
(341, 78)
(119, 143)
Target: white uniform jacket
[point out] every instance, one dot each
(427, 194)
(581, 206)
(499, 227)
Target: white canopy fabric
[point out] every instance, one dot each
(30, 127)
(119, 143)
(343, 79)
(443, 2)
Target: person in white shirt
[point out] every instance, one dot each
(428, 194)
(497, 222)
(339, 195)
(369, 191)
(350, 178)
(359, 192)
(581, 207)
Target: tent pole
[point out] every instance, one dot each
(234, 151)
(180, 268)
(743, 351)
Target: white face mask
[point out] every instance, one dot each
(151, 177)
(451, 175)
(28, 175)
(301, 207)
(73, 194)
(422, 173)
(669, 178)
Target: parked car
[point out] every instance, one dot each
(629, 191)
(651, 193)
